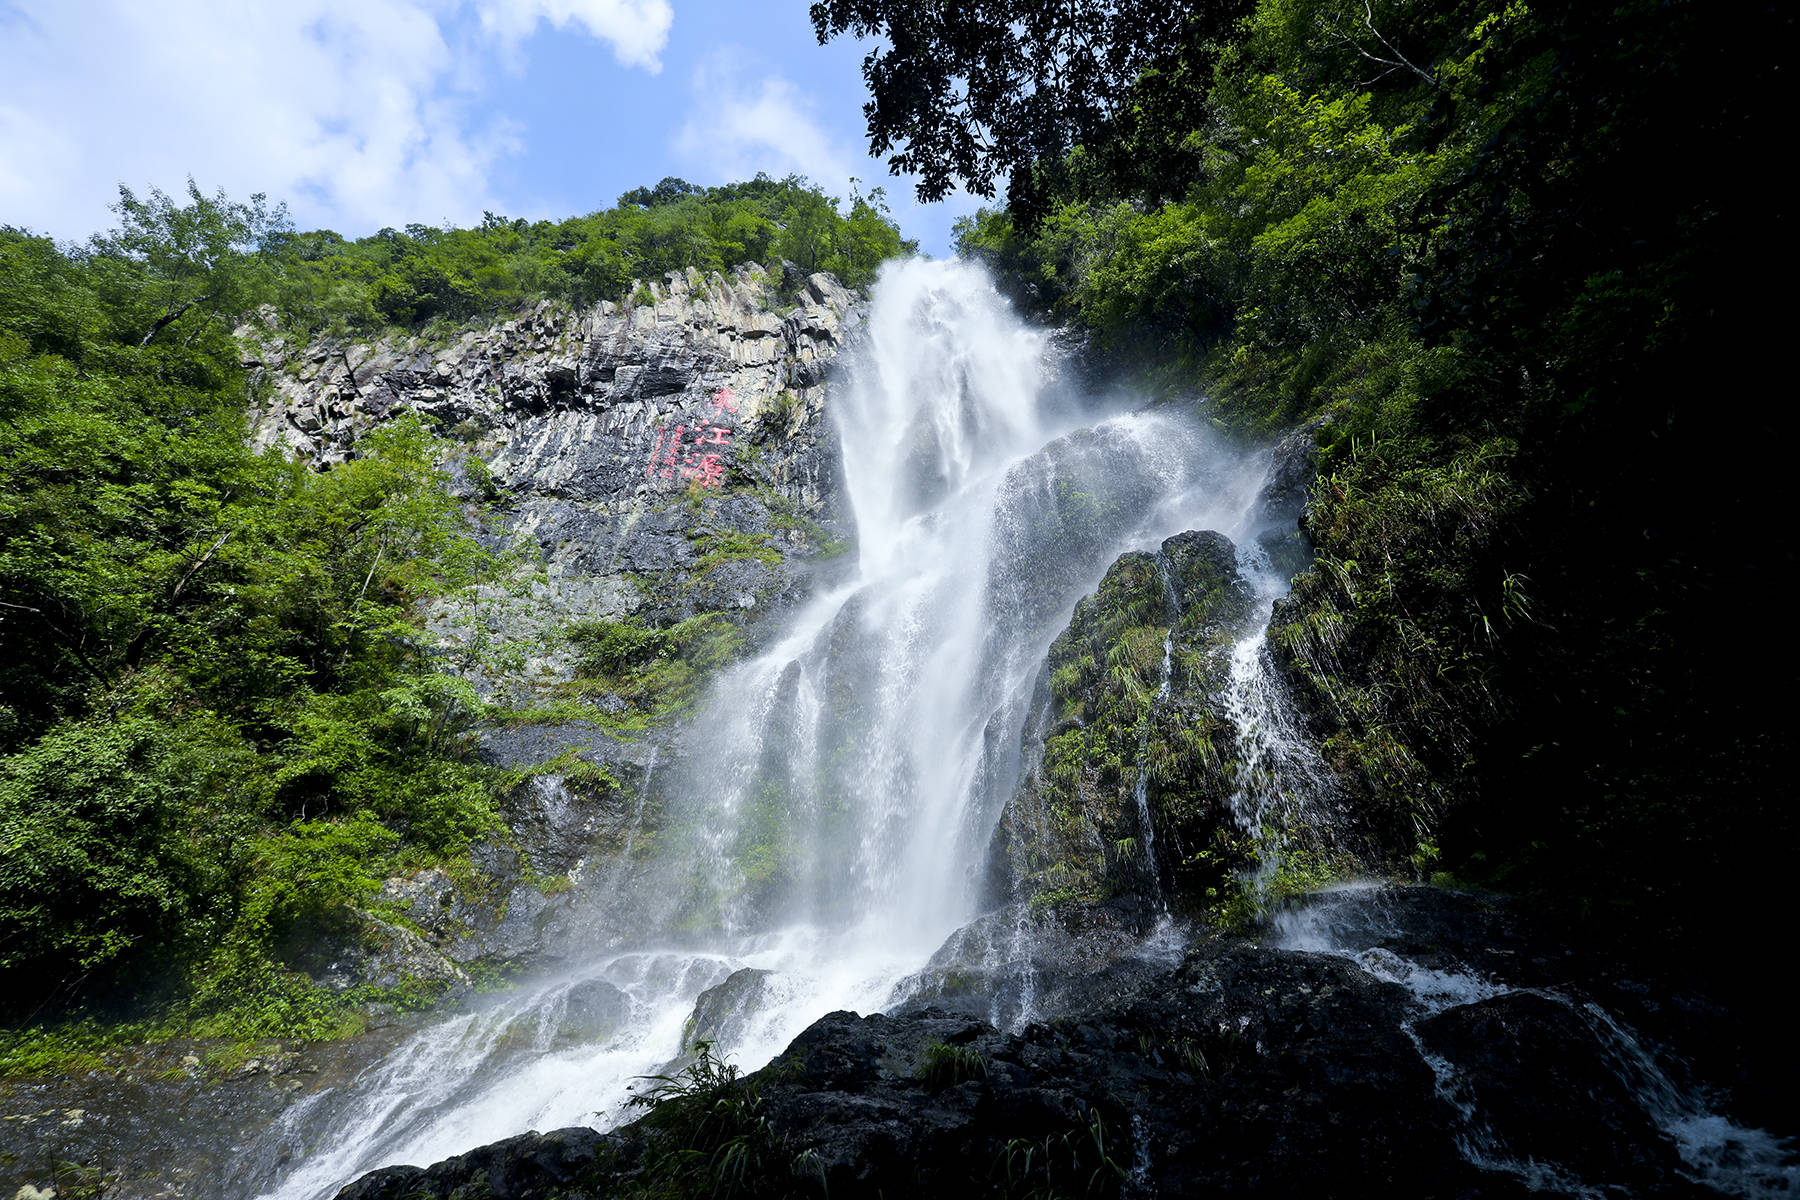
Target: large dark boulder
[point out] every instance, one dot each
(722, 1013)
(1545, 1078)
(565, 1164)
(1245, 1072)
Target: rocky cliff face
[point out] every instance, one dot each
(666, 479)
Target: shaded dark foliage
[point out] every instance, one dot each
(1518, 258)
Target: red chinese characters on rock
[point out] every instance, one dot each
(676, 455)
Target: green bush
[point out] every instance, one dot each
(422, 273)
(108, 854)
(609, 647)
(657, 672)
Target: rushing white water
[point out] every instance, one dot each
(832, 807)
(1284, 793)
(835, 805)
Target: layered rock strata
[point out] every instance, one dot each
(647, 465)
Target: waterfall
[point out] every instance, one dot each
(834, 802)
(1284, 793)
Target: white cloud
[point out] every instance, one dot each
(358, 112)
(637, 29)
(736, 127)
(741, 120)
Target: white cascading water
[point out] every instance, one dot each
(1283, 787)
(834, 803)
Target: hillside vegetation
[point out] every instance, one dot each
(407, 277)
(221, 718)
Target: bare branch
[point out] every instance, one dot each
(204, 558)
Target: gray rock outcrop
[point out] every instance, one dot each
(645, 463)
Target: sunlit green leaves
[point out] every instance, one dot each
(411, 276)
(219, 718)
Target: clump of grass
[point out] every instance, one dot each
(1076, 1162)
(944, 1065)
(714, 1138)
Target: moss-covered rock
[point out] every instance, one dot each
(1392, 638)
(1130, 719)
(1190, 755)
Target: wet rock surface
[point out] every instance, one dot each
(1069, 957)
(1293, 465)
(1130, 717)
(722, 1012)
(1238, 1068)
(1541, 1079)
(171, 1119)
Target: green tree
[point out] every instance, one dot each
(218, 714)
(971, 93)
(420, 274)
(196, 263)
(104, 852)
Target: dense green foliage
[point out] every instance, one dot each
(653, 673)
(218, 719)
(409, 276)
(1505, 252)
(973, 91)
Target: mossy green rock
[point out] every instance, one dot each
(1132, 695)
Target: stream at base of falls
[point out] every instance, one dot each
(838, 796)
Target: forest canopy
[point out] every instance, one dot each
(420, 273)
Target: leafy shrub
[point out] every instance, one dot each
(657, 672)
(714, 1138)
(107, 854)
(609, 647)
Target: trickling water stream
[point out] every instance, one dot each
(1356, 922)
(1141, 790)
(834, 813)
(1283, 789)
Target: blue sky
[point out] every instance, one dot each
(365, 113)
